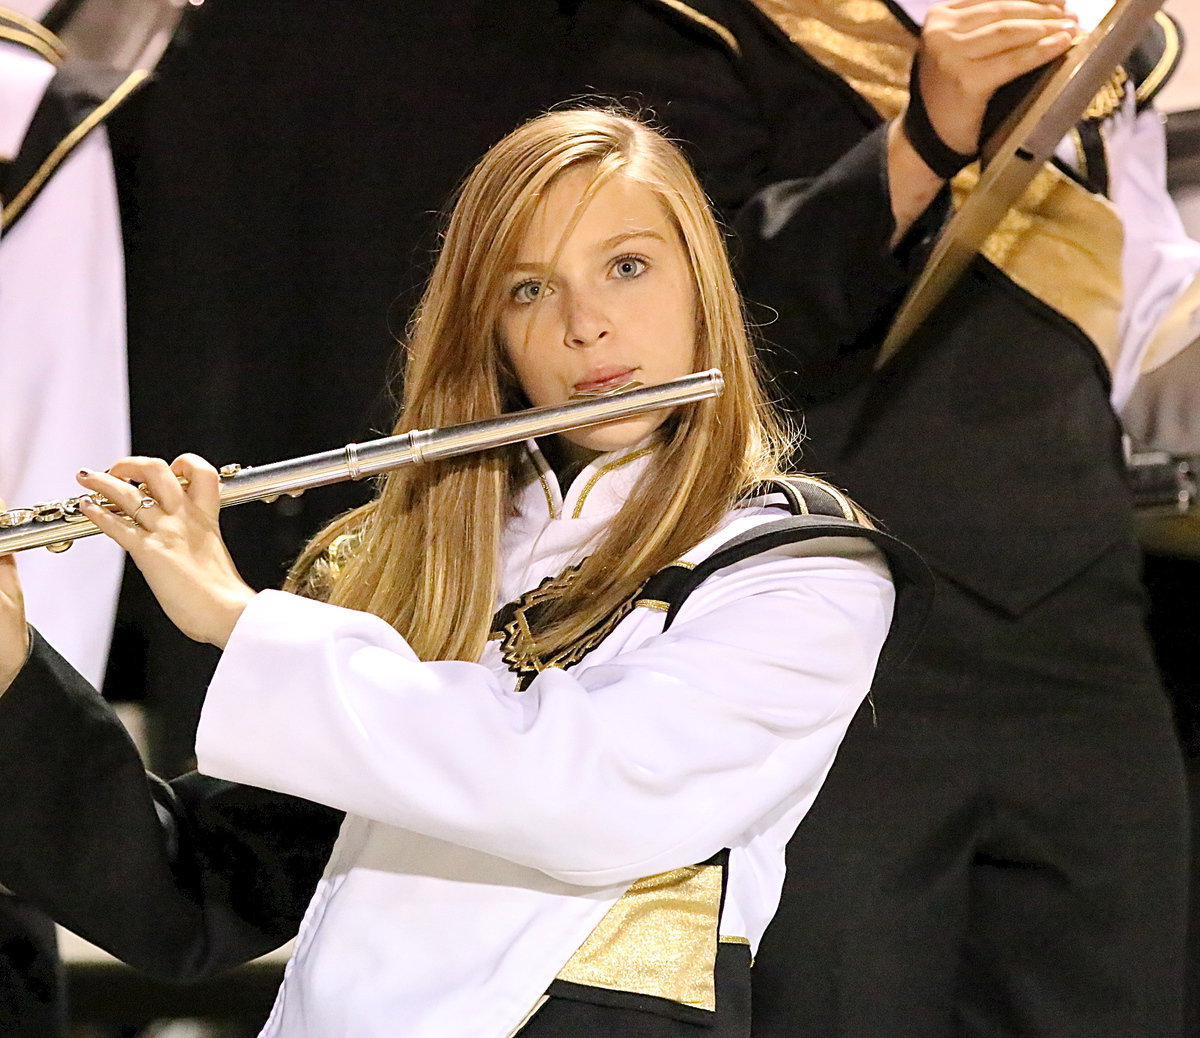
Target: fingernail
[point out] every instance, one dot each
(84, 472)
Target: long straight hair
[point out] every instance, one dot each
(426, 549)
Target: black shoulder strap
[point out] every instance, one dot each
(912, 578)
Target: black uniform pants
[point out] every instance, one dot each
(1004, 854)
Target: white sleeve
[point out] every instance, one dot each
(656, 758)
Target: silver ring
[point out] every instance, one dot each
(146, 502)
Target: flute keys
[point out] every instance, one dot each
(48, 511)
(59, 547)
(225, 471)
(16, 517)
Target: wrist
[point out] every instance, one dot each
(229, 611)
(949, 145)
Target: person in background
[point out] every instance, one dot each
(1001, 845)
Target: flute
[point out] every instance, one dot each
(56, 524)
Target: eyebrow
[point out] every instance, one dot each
(605, 246)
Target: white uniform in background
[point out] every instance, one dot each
(63, 381)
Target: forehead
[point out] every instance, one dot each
(563, 222)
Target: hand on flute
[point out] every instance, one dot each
(171, 531)
(14, 633)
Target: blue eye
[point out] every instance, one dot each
(628, 266)
(527, 291)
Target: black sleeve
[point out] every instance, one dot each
(793, 159)
(180, 879)
(815, 260)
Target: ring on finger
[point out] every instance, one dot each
(146, 502)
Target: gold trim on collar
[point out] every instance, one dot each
(603, 471)
(659, 939)
(68, 144)
(711, 24)
(36, 29)
(1149, 86)
(32, 42)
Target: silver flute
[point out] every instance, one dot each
(55, 524)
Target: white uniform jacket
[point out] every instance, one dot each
(489, 831)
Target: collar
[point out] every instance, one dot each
(597, 492)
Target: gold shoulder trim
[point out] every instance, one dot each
(1149, 86)
(849, 511)
(33, 43)
(659, 939)
(35, 28)
(68, 144)
(711, 24)
(1109, 97)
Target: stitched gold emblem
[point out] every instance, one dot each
(520, 621)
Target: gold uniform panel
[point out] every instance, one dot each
(660, 939)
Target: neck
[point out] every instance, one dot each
(566, 459)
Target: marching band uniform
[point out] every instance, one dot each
(588, 834)
(1004, 853)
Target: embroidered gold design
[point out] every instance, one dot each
(1109, 97)
(603, 471)
(709, 23)
(68, 144)
(1060, 243)
(659, 939)
(519, 646)
(518, 633)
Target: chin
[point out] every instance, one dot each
(615, 436)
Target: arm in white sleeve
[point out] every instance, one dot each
(655, 758)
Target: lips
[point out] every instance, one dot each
(604, 380)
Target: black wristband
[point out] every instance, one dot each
(934, 152)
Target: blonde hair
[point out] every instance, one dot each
(426, 555)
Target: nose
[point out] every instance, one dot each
(585, 322)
